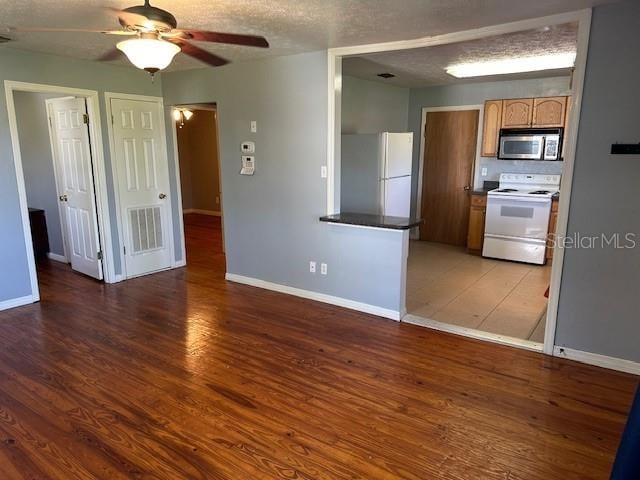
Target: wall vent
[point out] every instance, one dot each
(146, 229)
(386, 75)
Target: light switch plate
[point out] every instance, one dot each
(484, 171)
(254, 126)
(323, 171)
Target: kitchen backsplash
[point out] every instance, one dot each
(495, 167)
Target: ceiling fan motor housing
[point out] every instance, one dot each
(156, 18)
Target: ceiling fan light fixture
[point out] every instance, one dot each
(150, 54)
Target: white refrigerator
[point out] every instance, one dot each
(376, 173)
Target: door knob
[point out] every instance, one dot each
(467, 187)
(162, 196)
(63, 198)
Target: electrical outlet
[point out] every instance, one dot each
(312, 267)
(323, 268)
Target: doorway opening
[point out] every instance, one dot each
(482, 264)
(60, 172)
(196, 130)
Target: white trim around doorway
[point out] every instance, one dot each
(97, 155)
(334, 85)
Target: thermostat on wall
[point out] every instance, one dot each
(248, 165)
(248, 147)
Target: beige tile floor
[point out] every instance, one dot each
(447, 284)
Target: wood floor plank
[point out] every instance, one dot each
(184, 375)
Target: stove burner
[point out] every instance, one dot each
(507, 190)
(540, 192)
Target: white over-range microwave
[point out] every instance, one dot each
(530, 144)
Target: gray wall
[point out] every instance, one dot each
(37, 161)
(599, 300)
(271, 218)
(373, 107)
(476, 94)
(53, 70)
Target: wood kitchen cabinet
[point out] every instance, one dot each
(553, 221)
(549, 112)
(543, 112)
(491, 127)
(517, 113)
(477, 213)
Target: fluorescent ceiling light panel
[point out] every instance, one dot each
(505, 66)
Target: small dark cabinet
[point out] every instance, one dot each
(39, 234)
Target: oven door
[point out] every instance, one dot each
(517, 217)
(521, 147)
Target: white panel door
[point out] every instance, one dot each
(74, 171)
(143, 185)
(398, 148)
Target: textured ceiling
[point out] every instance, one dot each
(423, 67)
(291, 26)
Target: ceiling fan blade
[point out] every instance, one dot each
(200, 54)
(64, 30)
(111, 55)
(218, 37)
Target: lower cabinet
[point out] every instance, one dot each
(553, 220)
(477, 213)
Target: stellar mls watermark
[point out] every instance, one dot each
(577, 240)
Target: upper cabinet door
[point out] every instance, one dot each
(517, 113)
(491, 127)
(549, 111)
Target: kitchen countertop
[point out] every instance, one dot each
(372, 220)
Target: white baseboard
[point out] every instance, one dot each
(320, 297)
(211, 213)
(180, 263)
(603, 361)
(472, 333)
(57, 258)
(16, 302)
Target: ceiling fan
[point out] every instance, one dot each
(156, 38)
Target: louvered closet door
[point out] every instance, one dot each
(143, 185)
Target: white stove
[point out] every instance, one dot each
(517, 220)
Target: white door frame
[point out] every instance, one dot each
(334, 89)
(423, 124)
(108, 96)
(97, 155)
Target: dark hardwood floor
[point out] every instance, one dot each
(181, 375)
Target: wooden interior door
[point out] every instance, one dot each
(449, 153)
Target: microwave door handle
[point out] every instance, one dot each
(543, 147)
